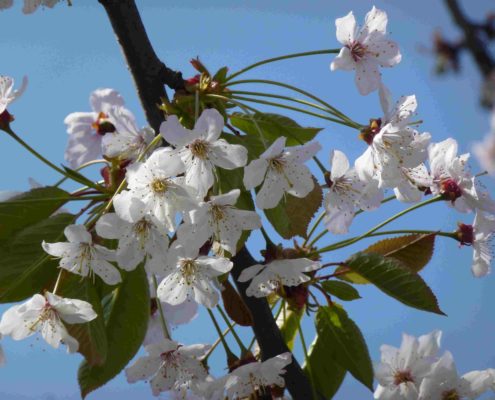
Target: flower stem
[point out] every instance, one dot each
(279, 58)
(79, 168)
(166, 332)
(57, 283)
(313, 228)
(234, 333)
(348, 242)
(220, 334)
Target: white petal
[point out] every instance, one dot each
(368, 76)
(110, 226)
(77, 234)
(343, 61)
(173, 131)
(346, 29)
(210, 124)
(249, 272)
(340, 164)
(142, 369)
(227, 156)
(376, 21)
(106, 271)
(254, 173)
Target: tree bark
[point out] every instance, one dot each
(150, 74)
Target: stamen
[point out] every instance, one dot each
(159, 186)
(199, 148)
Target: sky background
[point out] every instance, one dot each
(68, 52)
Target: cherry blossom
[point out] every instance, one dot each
(365, 50)
(280, 170)
(220, 220)
(7, 92)
(201, 149)
(87, 129)
(249, 378)
(479, 235)
(189, 276)
(126, 142)
(444, 383)
(401, 371)
(392, 144)
(47, 314)
(169, 366)
(346, 192)
(143, 238)
(266, 279)
(415, 181)
(83, 257)
(453, 181)
(156, 185)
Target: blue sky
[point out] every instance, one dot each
(68, 52)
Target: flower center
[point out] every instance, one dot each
(217, 212)
(170, 358)
(403, 377)
(47, 314)
(278, 164)
(199, 148)
(450, 190)
(188, 269)
(159, 186)
(369, 133)
(465, 234)
(102, 125)
(451, 395)
(358, 50)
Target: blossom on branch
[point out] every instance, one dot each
(7, 92)
(280, 170)
(47, 314)
(365, 49)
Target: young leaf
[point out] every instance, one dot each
(91, 336)
(292, 215)
(341, 290)
(289, 325)
(324, 372)
(128, 311)
(272, 126)
(25, 269)
(348, 349)
(392, 278)
(235, 306)
(28, 208)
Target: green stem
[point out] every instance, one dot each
(285, 57)
(271, 103)
(89, 163)
(217, 342)
(452, 235)
(166, 332)
(300, 91)
(306, 359)
(348, 242)
(313, 228)
(234, 333)
(220, 334)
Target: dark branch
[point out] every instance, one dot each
(472, 40)
(149, 73)
(267, 333)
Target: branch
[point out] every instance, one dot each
(149, 73)
(267, 333)
(472, 41)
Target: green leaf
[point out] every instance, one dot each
(128, 311)
(91, 336)
(292, 215)
(341, 290)
(392, 278)
(28, 208)
(78, 177)
(272, 127)
(221, 74)
(348, 348)
(323, 371)
(25, 269)
(413, 251)
(289, 325)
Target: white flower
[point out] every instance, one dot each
(201, 149)
(47, 314)
(366, 49)
(444, 383)
(30, 6)
(82, 257)
(479, 235)
(415, 181)
(281, 170)
(401, 370)
(218, 218)
(346, 192)
(169, 366)
(190, 277)
(268, 278)
(7, 92)
(392, 144)
(452, 179)
(86, 129)
(126, 142)
(247, 379)
(178, 314)
(143, 238)
(155, 184)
